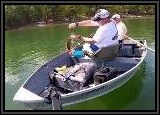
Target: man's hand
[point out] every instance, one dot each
(73, 25)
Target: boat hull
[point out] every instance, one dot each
(83, 95)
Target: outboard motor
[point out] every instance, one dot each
(56, 99)
(52, 95)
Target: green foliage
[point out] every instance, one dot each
(19, 15)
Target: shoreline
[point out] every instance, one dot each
(32, 26)
(65, 23)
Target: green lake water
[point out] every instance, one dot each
(26, 49)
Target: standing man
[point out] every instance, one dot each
(121, 27)
(105, 35)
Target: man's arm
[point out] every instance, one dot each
(83, 23)
(88, 23)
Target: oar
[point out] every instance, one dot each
(139, 43)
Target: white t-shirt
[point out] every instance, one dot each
(105, 34)
(122, 30)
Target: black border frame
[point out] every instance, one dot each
(156, 111)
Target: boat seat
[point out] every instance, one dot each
(122, 63)
(130, 51)
(107, 53)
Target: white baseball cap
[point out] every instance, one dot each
(100, 14)
(116, 16)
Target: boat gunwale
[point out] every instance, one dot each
(88, 89)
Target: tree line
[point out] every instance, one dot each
(20, 15)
